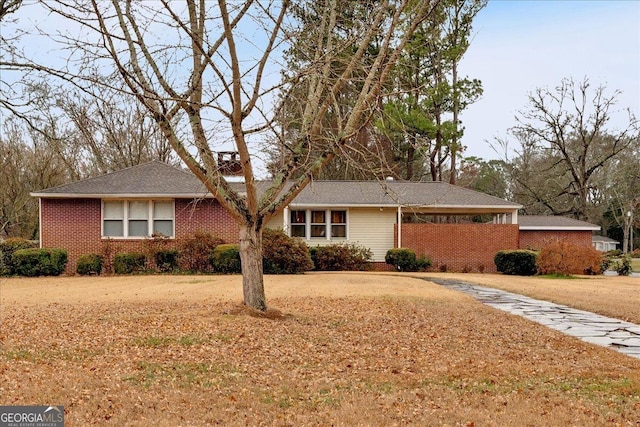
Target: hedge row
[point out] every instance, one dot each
(559, 257)
(205, 253)
(20, 257)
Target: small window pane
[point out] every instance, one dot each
(298, 231)
(163, 210)
(113, 210)
(138, 210)
(113, 228)
(138, 228)
(317, 217)
(318, 231)
(338, 217)
(298, 217)
(163, 227)
(338, 231)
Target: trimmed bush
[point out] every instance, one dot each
(282, 254)
(635, 253)
(166, 260)
(195, 252)
(623, 266)
(519, 262)
(225, 259)
(129, 262)
(341, 257)
(404, 259)
(89, 264)
(566, 258)
(39, 262)
(7, 248)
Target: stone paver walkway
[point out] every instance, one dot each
(590, 327)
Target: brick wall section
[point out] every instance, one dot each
(71, 224)
(207, 216)
(459, 247)
(537, 239)
(74, 225)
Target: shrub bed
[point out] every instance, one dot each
(282, 254)
(7, 248)
(195, 252)
(566, 258)
(405, 259)
(520, 262)
(166, 260)
(39, 262)
(89, 264)
(341, 257)
(129, 262)
(226, 259)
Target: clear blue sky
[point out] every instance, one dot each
(519, 46)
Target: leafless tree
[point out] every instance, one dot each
(207, 72)
(565, 138)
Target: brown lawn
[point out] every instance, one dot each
(349, 349)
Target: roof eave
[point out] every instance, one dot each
(558, 228)
(122, 195)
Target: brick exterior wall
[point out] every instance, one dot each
(459, 247)
(74, 225)
(537, 239)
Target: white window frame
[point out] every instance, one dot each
(125, 218)
(328, 235)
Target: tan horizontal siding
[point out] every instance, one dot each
(372, 228)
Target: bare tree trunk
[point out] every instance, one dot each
(251, 258)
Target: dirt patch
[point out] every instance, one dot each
(349, 350)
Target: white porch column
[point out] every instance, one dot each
(285, 221)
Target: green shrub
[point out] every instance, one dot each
(195, 252)
(129, 262)
(39, 262)
(89, 264)
(519, 262)
(166, 259)
(614, 253)
(225, 259)
(405, 259)
(282, 254)
(623, 266)
(341, 257)
(635, 253)
(566, 258)
(7, 248)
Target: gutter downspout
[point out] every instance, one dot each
(40, 222)
(399, 226)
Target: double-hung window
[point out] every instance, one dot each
(137, 218)
(298, 224)
(318, 224)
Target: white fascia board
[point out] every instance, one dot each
(339, 205)
(493, 207)
(557, 228)
(121, 196)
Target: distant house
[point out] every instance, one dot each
(124, 209)
(537, 231)
(604, 244)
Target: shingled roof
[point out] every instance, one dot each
(394, 193)
(158, 179)
(540, 222)
(153, 179)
